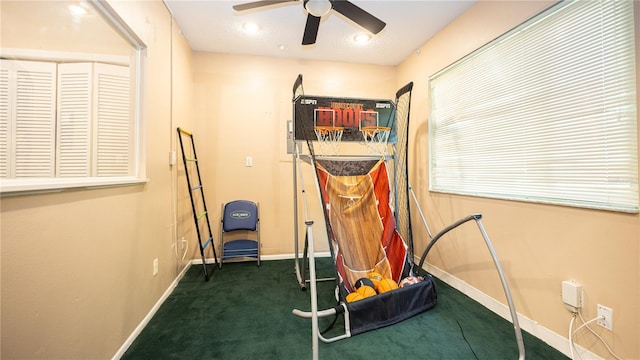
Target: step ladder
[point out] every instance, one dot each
(198, 204)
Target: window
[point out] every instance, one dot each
(544, 113)
(68, 118)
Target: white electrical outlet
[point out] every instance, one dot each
(248, 161)
(155, 266)
(605, 315)
(183, 243)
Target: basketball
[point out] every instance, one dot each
(386, 285)
(362, 282)
(409, 280)
(375, 278)
(354, 296)
(366, 291)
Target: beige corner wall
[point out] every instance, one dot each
(77, 265)
(539, 245)
(242, 104)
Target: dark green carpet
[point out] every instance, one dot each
(244, 312)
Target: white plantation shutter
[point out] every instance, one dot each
(34, 130)
(5, 155)
(68, 120)
(544, 113)
(65, 133)
(74, 120)
(113, 121)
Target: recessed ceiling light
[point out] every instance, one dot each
(362, 38)
(282, 47)
(251, 28)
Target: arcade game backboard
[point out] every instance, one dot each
(348, 113)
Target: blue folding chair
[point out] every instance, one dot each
(240, 218)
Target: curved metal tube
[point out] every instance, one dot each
(494, 256)
(507, 292)
(443, 232)
(309, 314)
(340, 309)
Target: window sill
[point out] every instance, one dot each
(12, 187)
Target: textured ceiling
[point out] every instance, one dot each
(213, 26)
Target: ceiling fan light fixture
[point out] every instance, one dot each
(318, 8)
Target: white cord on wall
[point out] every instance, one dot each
(573, 319)
(572, 334)
(173, 140)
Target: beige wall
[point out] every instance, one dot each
(77, 265)
(539, 245)
(242, 104)
(51, 27)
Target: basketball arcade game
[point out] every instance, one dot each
(365, 197)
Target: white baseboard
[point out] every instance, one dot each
(268, 257)
(553, 339)
(150, 315)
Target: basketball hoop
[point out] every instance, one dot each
(329, 138)
(376, 137)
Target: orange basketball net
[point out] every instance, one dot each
(329, 138)
(376, 137)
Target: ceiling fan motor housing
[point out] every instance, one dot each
(317, 8)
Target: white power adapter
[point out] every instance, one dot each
(572, 295)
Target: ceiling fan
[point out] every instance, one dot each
(319, 8)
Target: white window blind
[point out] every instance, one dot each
(544, 113)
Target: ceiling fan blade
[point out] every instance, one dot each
(359, 16)
(311, 30)
(257, 4)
